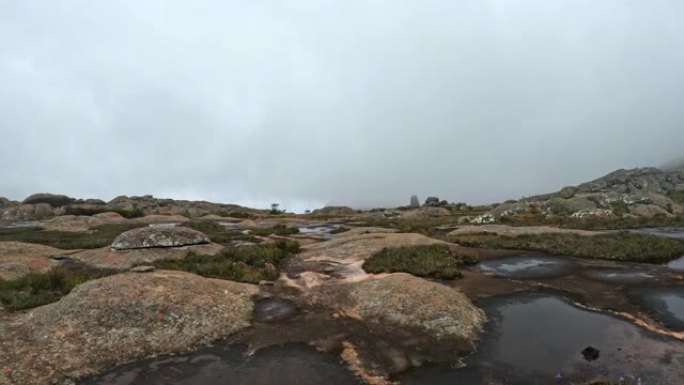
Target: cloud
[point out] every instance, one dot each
(358, 102)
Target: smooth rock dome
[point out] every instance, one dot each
(148, 237)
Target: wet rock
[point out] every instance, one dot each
(274, 310)
(112, 320)
(590, 354)
(528, 266)
(149, 237)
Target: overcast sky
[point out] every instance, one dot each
(356, 102)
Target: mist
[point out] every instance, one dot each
(361, 103)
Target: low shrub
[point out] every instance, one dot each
(218, 233)
(250, 264)
(433, 261)
(37, 289)
(622, 246)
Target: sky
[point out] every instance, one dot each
(356, 102)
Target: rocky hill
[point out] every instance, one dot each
(43, 206)
(640, 192)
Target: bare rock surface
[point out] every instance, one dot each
(109, 321)
(72, 223)
(513, 231)
(108, 258)
(51, 199)
(149, 237)
(18, 258)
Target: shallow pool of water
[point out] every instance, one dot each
(320, 231)
(274, 310)
(167, 225)
(286, 365)
(528, 266)
(533, 338)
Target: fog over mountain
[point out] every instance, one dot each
(354, 102)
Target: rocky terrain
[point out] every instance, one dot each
(86, 285)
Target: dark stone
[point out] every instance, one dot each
(415, 202)
(590, 353)
(51, 199)
(432, 201)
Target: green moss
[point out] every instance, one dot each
(37, 289)
(100, 236)
(250, 264)
(677, 197)
(621, 246)
(434, 261)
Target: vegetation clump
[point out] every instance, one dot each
(338, 230)
(100, 236)
(37, 289)
(250, 264)
(622, 246)
(433, 261)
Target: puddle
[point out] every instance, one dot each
(20, 224)
(320, 231)
(668, 232)
(620, 276)
(530, 339)
(528, 266)
(274, 310)
(667, 304)
(164, 225)
(676, 265)
(286, 365)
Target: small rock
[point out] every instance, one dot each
(142, 269)
(590, 353)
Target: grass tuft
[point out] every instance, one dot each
(433, 261)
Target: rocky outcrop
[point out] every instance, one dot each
(192, 209)
(18, 259)
(108, 258)
(109, 321)
(72, 223)
(335, 210)
(29, 212)
(51, 199)
(402, 300)
(150, 237)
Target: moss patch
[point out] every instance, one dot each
(277, 230)
(100, 236)
(621, 246)
(434, 261)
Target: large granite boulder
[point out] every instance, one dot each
(151, 236)
(51, 199)
(109, 321)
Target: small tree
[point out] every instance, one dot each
(275, 209)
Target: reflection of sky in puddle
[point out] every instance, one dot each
(675, 304)
(676, 233)
(20, 224)
(527, 266)
(677, 264)
(523, 265)
(164, 225)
